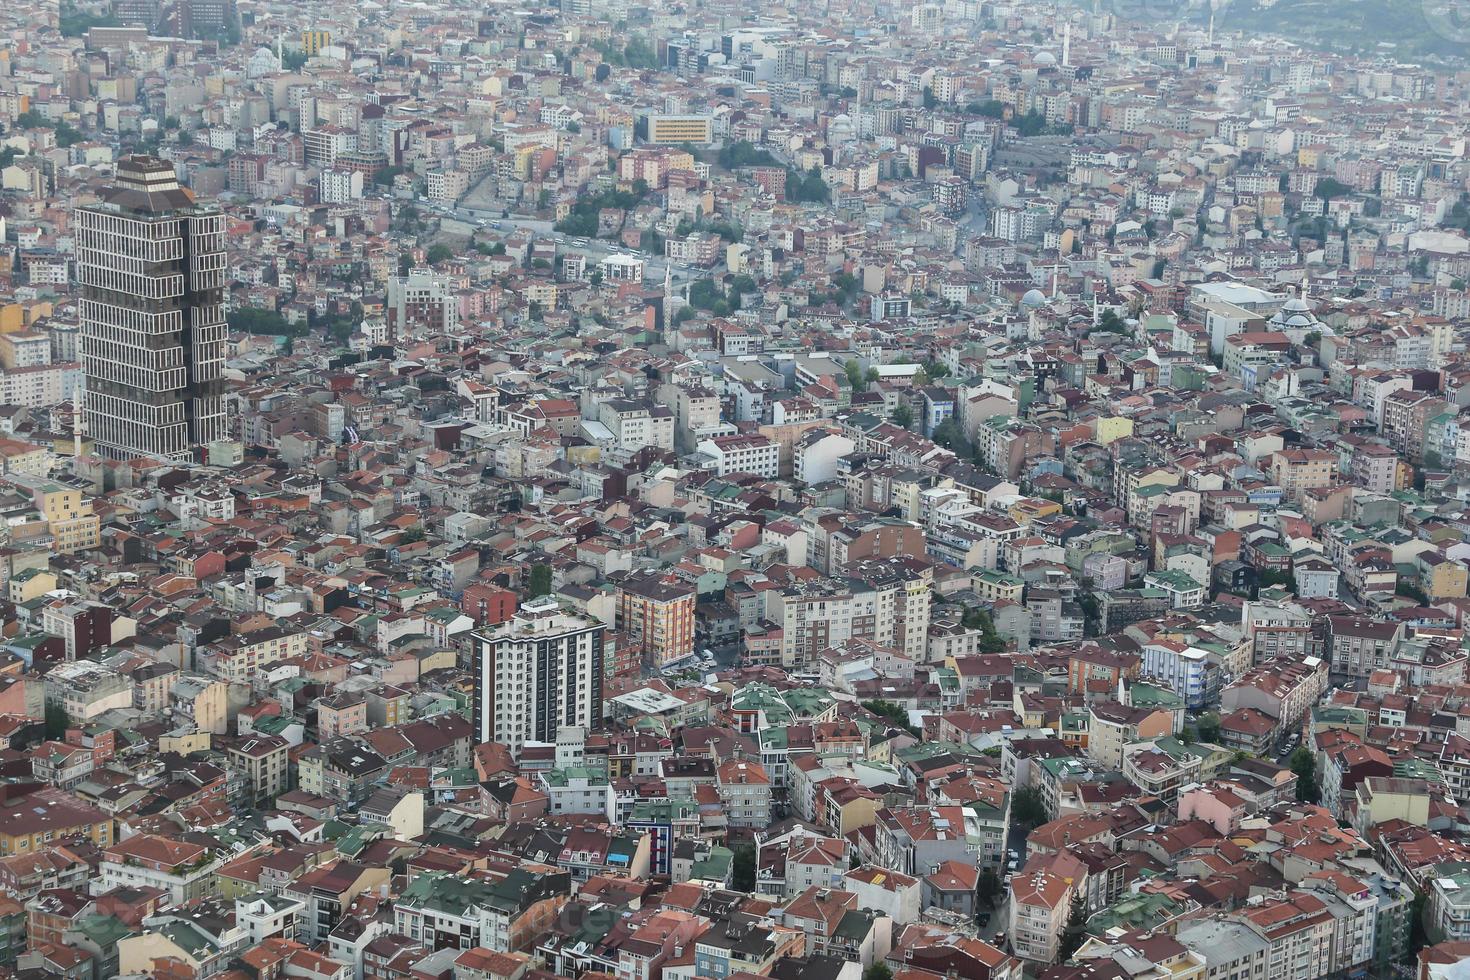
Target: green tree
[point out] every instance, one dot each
(1208, 727)
(540, 583)
(294, 60)
(440, 253)
(808, 188)
(742, 875)
(595, 278)
(879, 970)
(978, 618)
(1304, 764)
(69, 135)
(1028, 809)
(265, 323)
(893, 712)
(1327, 188)
(1075, 931)
(950, 435)
(903, 416)
(640, 54)
(1110, 322)
(75, 23)
(1422, 931)
(1409, 590)
(55, 721)
(855, 376)
(742, 153)
(704, 294)
(386, 175)
(583, 220)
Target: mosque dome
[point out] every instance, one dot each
(1295, 314)
(1033, 298)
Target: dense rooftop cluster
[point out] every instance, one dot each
(825, 491)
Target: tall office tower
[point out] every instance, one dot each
(539, 671)
(151, 264)
(203, 19)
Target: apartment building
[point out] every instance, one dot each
(656, 612)
(540, 670)
(743, 454)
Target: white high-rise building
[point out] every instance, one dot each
(539, 671)
(151, 264)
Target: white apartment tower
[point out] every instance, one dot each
(539, 671)
(151, 264)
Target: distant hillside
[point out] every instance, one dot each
(1430, 30)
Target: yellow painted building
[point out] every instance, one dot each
(853, 813)
(1113, 428)
(1442, 578)
(32, 583)
(31, 819)
(25, 457)
(66, 510)
(314, 41)
(185, 743)
(139, 954)
(680, 129)
(15, 317)
(1029, 509)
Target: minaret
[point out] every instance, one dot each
(1067, 45)
(78, 422)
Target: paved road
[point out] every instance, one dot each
(998, 918)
